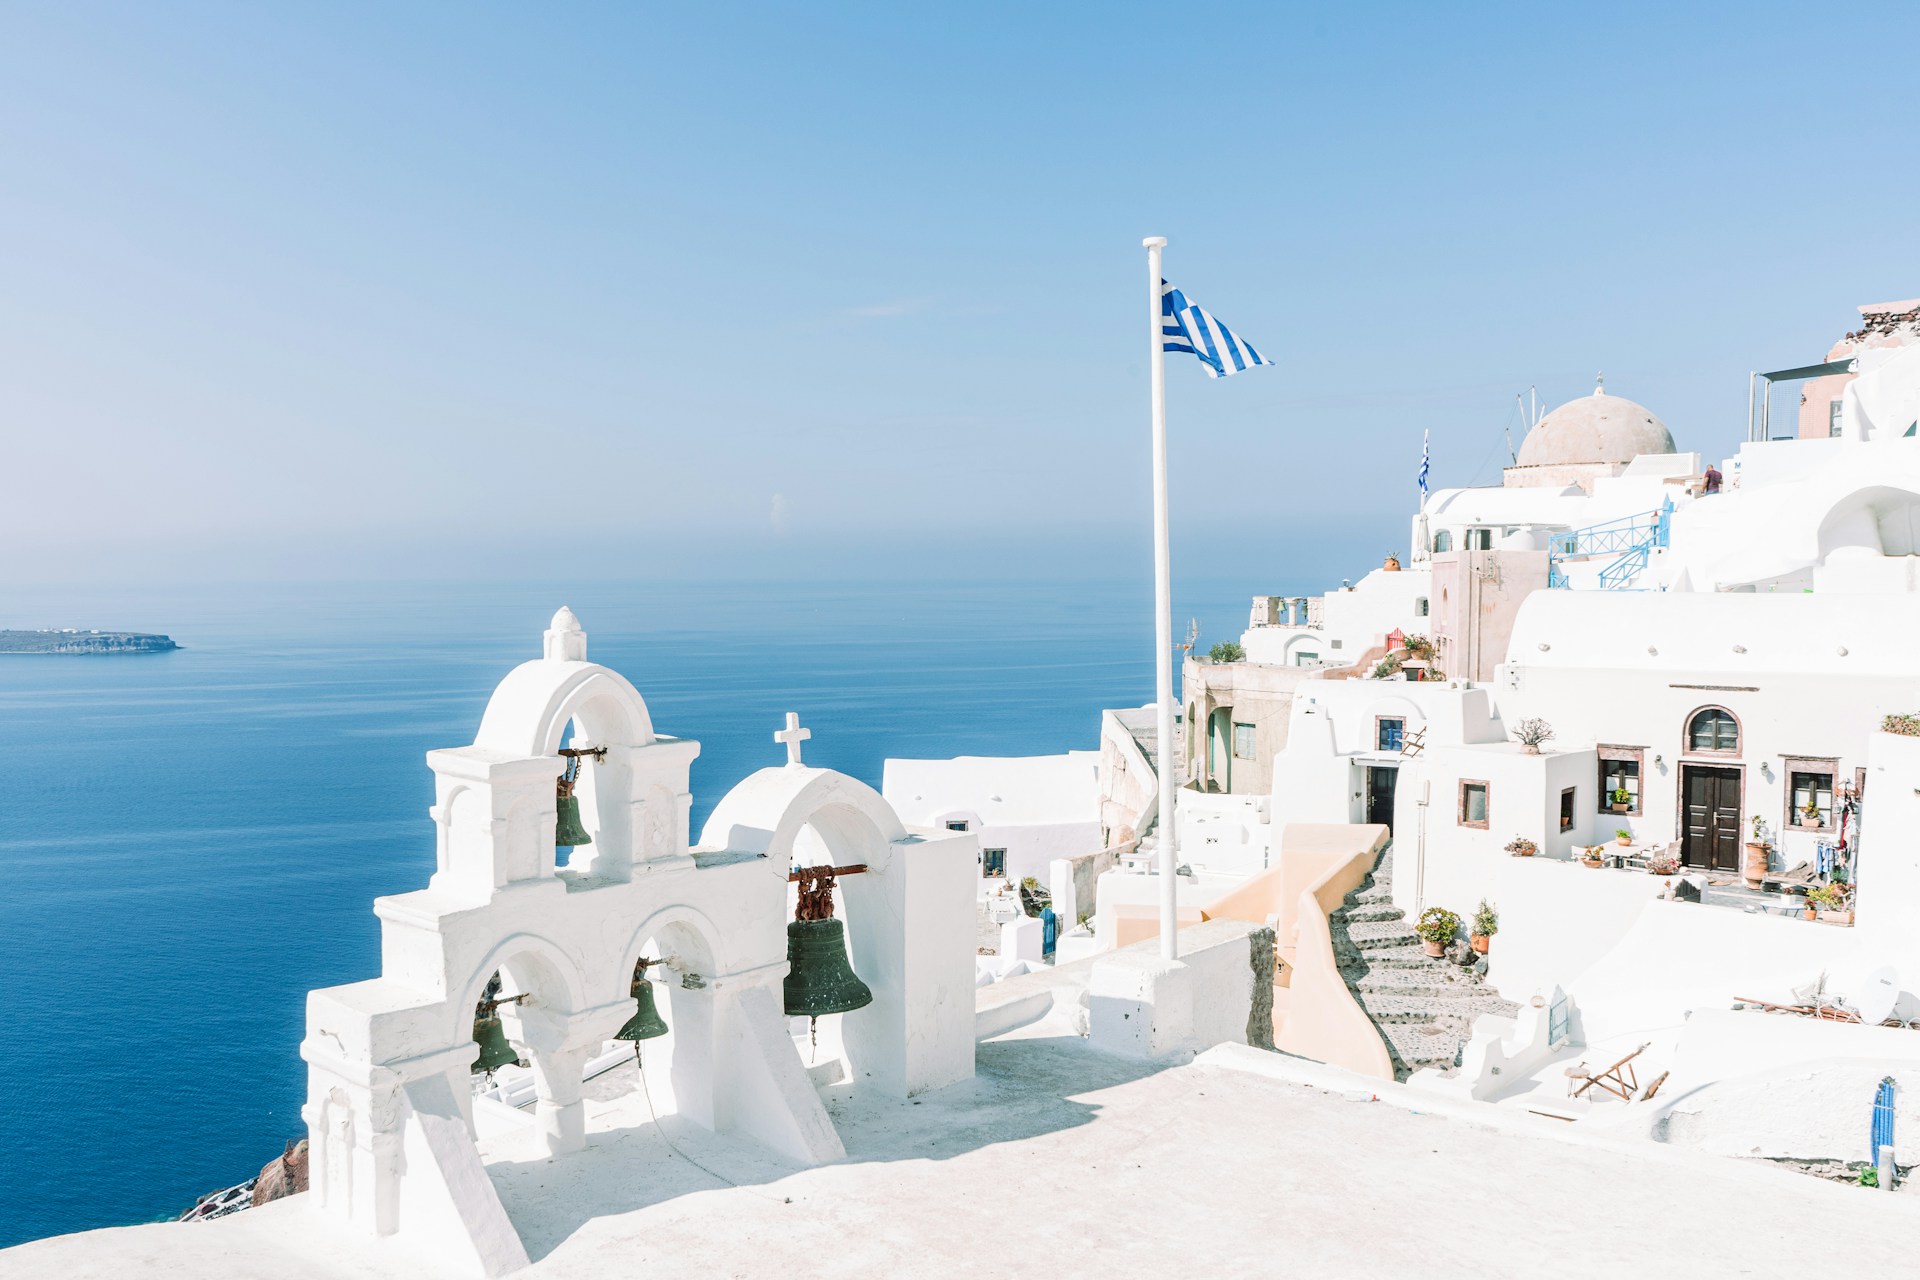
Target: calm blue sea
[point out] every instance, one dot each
(191, 841)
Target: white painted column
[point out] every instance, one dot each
(1163, 610)
(559, 1112)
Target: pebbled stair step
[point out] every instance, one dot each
(1401, 981)
(1439, 1006)
(1381, 958)
(1424, 1044)
(1365, 913)
(1380, 933)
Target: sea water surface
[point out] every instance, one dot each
(191, 841)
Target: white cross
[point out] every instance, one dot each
(793, 735)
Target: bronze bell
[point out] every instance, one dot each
(495, 1051)
(820, 979)
(645, 1024)
(568, 833)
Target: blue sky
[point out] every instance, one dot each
(856, 290)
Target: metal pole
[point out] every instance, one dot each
(1750, 377)
(1162, 612)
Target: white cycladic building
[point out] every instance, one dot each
(1025, 811)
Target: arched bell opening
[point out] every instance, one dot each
(669, 1026)
(824, 976)
(518, 1001)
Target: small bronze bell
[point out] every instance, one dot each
(568, 833)
(495, 1051)
(647, 1023)
(820, 979)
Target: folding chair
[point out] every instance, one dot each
(1617, 1079)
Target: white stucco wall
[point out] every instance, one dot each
(1037, 808)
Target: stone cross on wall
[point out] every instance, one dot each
(793, 735)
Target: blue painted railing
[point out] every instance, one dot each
(1631, 540)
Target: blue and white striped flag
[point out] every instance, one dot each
(1185, 327)
(1426, 461)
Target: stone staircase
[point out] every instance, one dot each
(1424, 1008)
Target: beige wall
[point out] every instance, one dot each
(1476, 596)
(1315, 1014)
(1259, 694)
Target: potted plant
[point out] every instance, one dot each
(1521, 847)
(1486, 923)
(1592, 857)
(1622, 837)
(1755, 869)
(1622, 800)
(1663, 864)
(1436, 929)
(1830, 901)
(1810, 815)
(1530, 733)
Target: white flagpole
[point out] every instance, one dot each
(1162, 612)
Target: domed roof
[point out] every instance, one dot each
(1596, 428)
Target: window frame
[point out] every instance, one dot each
(957, 824)
(1379, 723)
(1253, 745)
(1486, 804)
(1636, 756)
(1686, 734)
(1569, 808)
(1828, 766)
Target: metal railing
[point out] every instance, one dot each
(1630, 540)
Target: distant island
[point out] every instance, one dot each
(71, 641)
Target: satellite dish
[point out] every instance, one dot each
(1876, 996)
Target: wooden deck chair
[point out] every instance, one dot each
(1617, 1079)
(1655, 1086)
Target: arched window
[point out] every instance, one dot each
(1443, 541)
(1713, 729)
(1420, 607)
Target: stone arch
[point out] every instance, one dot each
(767, 811)
(526, 962)
(688, 933)
(530, 710)
(1884, 519)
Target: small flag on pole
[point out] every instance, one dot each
(1185, 327)
(1426, 460)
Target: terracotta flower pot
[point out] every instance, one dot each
(1813, 913)
(1433, 949)
(1595, 863)
(1624, 843)
(1480, 941)
(1755, 870)
(1621, 808)
(1805, 821)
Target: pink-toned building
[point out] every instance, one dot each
(1882, 324)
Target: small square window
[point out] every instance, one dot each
(1389, 732)
(1810, 793)
(1473, 804)
(1242, 741)
(957, 825)
(1620, 776)
(993, 862)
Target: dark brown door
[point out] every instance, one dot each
(1712, 838)
(1380, 787)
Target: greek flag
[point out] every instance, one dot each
(1426, 461)
(1185, 327)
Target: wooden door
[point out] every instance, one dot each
(1711, 840)
(1380, 787)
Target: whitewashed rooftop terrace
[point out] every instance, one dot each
(1058, 1161)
